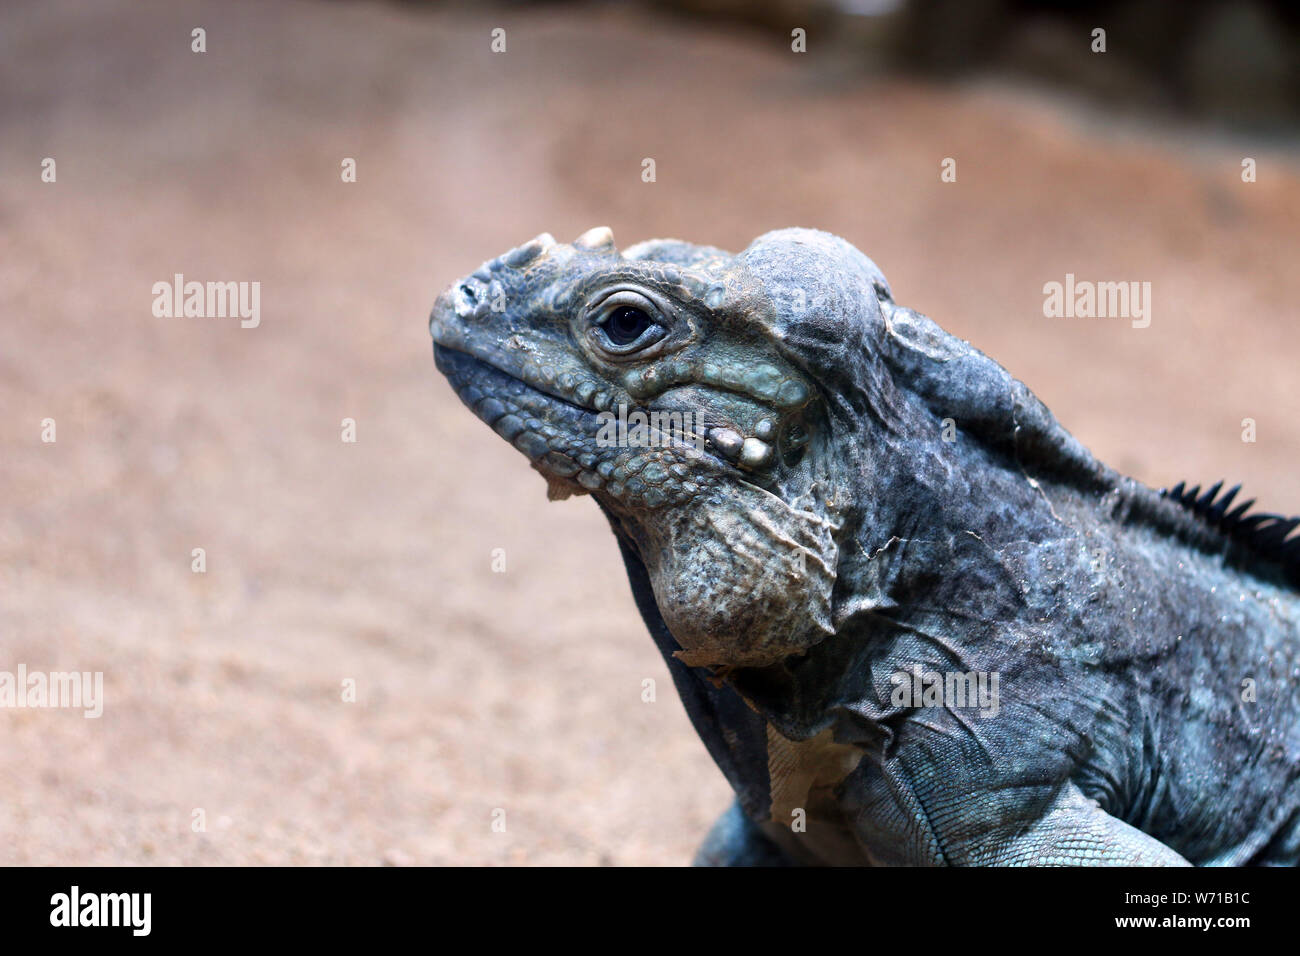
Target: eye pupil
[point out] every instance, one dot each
(626, 324)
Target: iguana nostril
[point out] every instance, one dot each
(463, 299)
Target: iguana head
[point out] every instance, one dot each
(701, 397)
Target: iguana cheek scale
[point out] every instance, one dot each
(860, 497)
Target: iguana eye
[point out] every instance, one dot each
(626, 322)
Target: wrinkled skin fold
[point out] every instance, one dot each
(912, 618)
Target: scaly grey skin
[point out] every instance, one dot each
(861, 495)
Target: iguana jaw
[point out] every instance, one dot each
(773, 599)
(527, 416)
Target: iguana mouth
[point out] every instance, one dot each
(494, 395)
(560, 437)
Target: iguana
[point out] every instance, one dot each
(913, 619)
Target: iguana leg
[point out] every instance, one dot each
(939, 824)
(735, 840)
(1075, 831)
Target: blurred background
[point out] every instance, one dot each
(372, 562)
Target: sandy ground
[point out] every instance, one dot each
(371, 562)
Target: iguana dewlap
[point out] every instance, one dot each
(912, 618)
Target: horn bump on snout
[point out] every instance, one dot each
(598, 237)
(530, 250)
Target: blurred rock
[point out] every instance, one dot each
(1238, 63)
(1241, 66)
